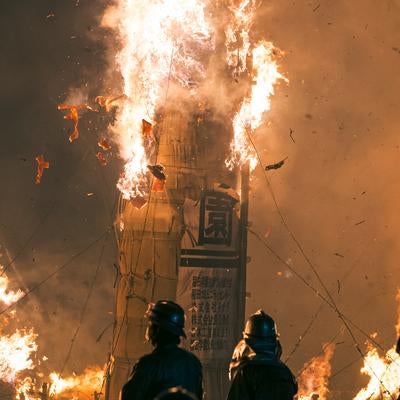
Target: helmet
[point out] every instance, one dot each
(176, 393)
(260, 326)
(167, 315)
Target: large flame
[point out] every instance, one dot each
(18, 352)
(7, 296)
(15, 354)
(265, 75)
(384, 375)
(383, 371)
(77, 386)
(313, 380)
(237, 34)
(161, 40)
(16, 348)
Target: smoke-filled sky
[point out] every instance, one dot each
(336, 122)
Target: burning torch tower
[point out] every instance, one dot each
(187, 239)
(159, 244)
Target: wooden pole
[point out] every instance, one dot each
(244, 216)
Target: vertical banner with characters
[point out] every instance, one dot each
(207, 284)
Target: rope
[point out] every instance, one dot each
(346, 320)
(304, 334)
(84, 309)
(55, 272)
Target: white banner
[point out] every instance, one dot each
(207, 283)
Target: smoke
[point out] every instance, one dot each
(336, 122)
(44, 226)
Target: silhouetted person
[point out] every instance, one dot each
(256, 371)
(176, 393)
(168, 365)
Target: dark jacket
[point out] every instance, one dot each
(164, 368)
(260, 376)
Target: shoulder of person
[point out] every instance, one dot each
(188, 354)
(142, 363)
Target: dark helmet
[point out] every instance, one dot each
(176, 393)
(260, 326)
(167, 315)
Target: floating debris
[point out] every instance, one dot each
(72, 114)
(42, 164)
(338, 255)
(147, 128)
(158, 171)
(103, 144)
(102, 159)
(276, 165)
(291, 131)
(108, 102)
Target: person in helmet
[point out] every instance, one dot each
(176, 393)
(256, 371)
(168, 365)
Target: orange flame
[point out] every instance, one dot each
(102, 159)
(383, 371)
(161, 40)
(72, 114)
(103, 144)
(77, 386)
(7, 296)
(15, 354)
(237, 37)
(250, 115)
(313, 380)
(108, 102)
(42, 164)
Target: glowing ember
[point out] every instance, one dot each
(103, 144)
(77, 386)
(42, 164)
(108, 102)
(265, 75)
(313, 380)
(102, 159)
(147, 128)
(161, 40)
(72, 114)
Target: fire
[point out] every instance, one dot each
(250, 115)
(384, 374)
(237, 35)
(15, 354)
(383, 371)
(17, 348)
(103, 144)
(42, 164)
(108, 102)
(313, 380)
(161, 40)
(72, 114)
(77, 386)
(7, 296)
(102, 159)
